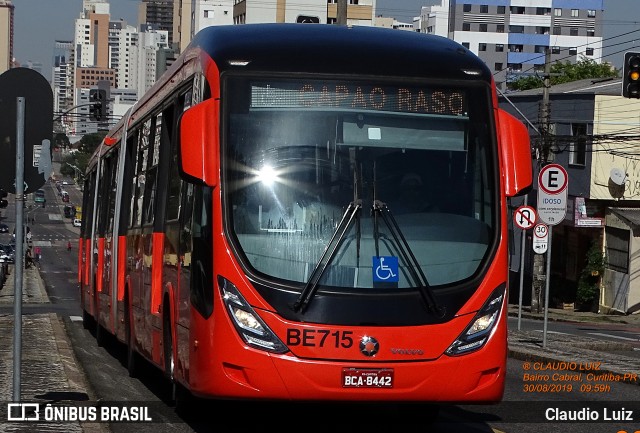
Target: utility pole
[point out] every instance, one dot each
(341, 14)
(539, 273)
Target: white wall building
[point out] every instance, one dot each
(511, 36)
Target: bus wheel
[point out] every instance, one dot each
(169, 362)
(100, 331)
(86, 320)
(131, 353)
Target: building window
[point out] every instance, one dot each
(589, 52)
(516, 29)
(540, 49)
(573, 51)
(466, 45)
(573, 31)
(575, 13)
(466, 27)
(500, 28)
(499, 48)
(513, 48)
(502, 10)
(466, 8)
(557, 30)
(515, 67)
(578, 145)
(543, 11)
(557, 12)
(482, 47)
(555, 50)
(484, 9)
(497, 67)
(617, 254)
(591, 13)
(517, 10)
(591, 32)
(483, 28)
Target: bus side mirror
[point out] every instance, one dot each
(516, 154)
(199, 151)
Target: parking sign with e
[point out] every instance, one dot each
(553, 181)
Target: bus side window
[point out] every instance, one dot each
(196, 239)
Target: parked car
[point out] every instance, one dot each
(7, 253)
(4, 228)
(77, 222)
(69, 211)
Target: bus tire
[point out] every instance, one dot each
(132, 360)
(100, 334)
(169, 362)
(182, 398)
(86, 320)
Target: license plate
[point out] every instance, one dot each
(367, 378)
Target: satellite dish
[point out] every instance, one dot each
(617, 176)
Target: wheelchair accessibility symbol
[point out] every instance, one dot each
(385, 269)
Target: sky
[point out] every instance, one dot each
(38, 23)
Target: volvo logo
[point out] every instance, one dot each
(399, 351)
(369, 346)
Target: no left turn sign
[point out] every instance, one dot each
(525, 217)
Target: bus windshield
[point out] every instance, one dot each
(300, 152)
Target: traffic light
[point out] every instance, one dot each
(97, 97)
(631, 75)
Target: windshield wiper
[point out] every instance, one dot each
(404, 251)
(328, 254)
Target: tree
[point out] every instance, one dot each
(80, 158)
(590, 277)
(565, 72)
(61, 140)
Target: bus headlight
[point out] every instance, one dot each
(248, 324)
(480, 329)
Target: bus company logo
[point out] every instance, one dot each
(23, 412)
(369, 346)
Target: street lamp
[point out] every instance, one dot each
(77, 171)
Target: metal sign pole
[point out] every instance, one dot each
(17, 293)
(546, 292)
(522, 251)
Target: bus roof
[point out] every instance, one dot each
(326, 48)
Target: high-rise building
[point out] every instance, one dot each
(122, 38)
(6, 35)
(158, 15)
(150, 43)
(512, 36)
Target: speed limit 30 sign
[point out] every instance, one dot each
(540, 238)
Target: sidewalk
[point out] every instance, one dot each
(50, 372)
(582, 352)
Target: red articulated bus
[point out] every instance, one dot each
(309, 212)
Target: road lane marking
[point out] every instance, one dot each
(614, 336)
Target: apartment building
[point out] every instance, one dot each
(158, 15)
(6, 35)
(511, 36)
